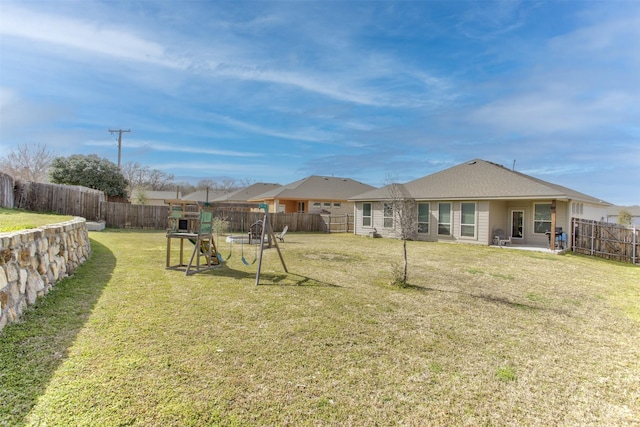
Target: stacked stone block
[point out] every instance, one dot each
(33, 261)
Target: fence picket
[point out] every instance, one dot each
(605, 240)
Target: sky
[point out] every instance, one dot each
(275, 91)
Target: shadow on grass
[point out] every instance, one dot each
(487, 298)
(284, 279)
(32, 349)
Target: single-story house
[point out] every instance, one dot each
(203, 196)
(152, 197)
(314, 194)
(613, 214)
(475, 202)
(245, 194)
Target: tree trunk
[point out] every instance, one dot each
(404, 270)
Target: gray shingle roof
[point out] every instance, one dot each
(477, 180)
(244, 194)
(317, 188)
(201, 195)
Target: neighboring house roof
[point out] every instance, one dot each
(154, 195)
(480, 179)
(317, 188)
(246, 193)
(615, 210)
(201, 195)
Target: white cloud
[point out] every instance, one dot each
(309, 135)
(158, 146)
(87, 36)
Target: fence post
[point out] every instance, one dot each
(593, 237)
(635, 242)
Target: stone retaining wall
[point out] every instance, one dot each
(33, 261)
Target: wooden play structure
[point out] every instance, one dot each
(189, 221)
(193, 222)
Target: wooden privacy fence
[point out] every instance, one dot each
(339, 223)
(6, 191)
(610, 241)
(63, 199)
(125, 215)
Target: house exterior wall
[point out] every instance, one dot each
(490, 215)
(481, 232)
(334, 207)
(588, 211)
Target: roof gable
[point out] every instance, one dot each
(317, 188)
(247, 193)
(479, 179)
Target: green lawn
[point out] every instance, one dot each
(481, 336)
(18, 219)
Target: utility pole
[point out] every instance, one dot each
(119, 141)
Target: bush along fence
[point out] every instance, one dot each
(604, 240)
(33, 261)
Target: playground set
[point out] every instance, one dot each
(194, 222)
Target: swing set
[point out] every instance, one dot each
(194, 222)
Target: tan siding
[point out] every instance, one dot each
(482, 218)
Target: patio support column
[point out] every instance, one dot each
(552, 238)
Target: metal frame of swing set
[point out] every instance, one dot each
(201, 235)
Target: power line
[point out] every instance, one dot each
(119, 141)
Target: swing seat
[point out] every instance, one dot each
(283, 233)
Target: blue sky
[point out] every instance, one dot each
(275, 91)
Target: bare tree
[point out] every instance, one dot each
(246, 182)
(29, 162)
(140, 176)
(401, 209)
(185, 187)
(203, 184)
(158, 180)
(228, 185)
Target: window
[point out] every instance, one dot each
(388, 215)
(337, 204)
(316, 204)
(467, 219)
(327, 204)
(542, 218)
(366, 214)
(444, 219)
(423, 218)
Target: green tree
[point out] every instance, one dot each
(625, 217)
(89, 171)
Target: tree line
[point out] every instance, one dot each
(37, 163)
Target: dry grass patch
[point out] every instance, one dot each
(480, 336)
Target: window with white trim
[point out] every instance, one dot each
(444, 219)
(541, 218)
(388, 215)
(423, 218)
(366, 214)
(468, 219)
